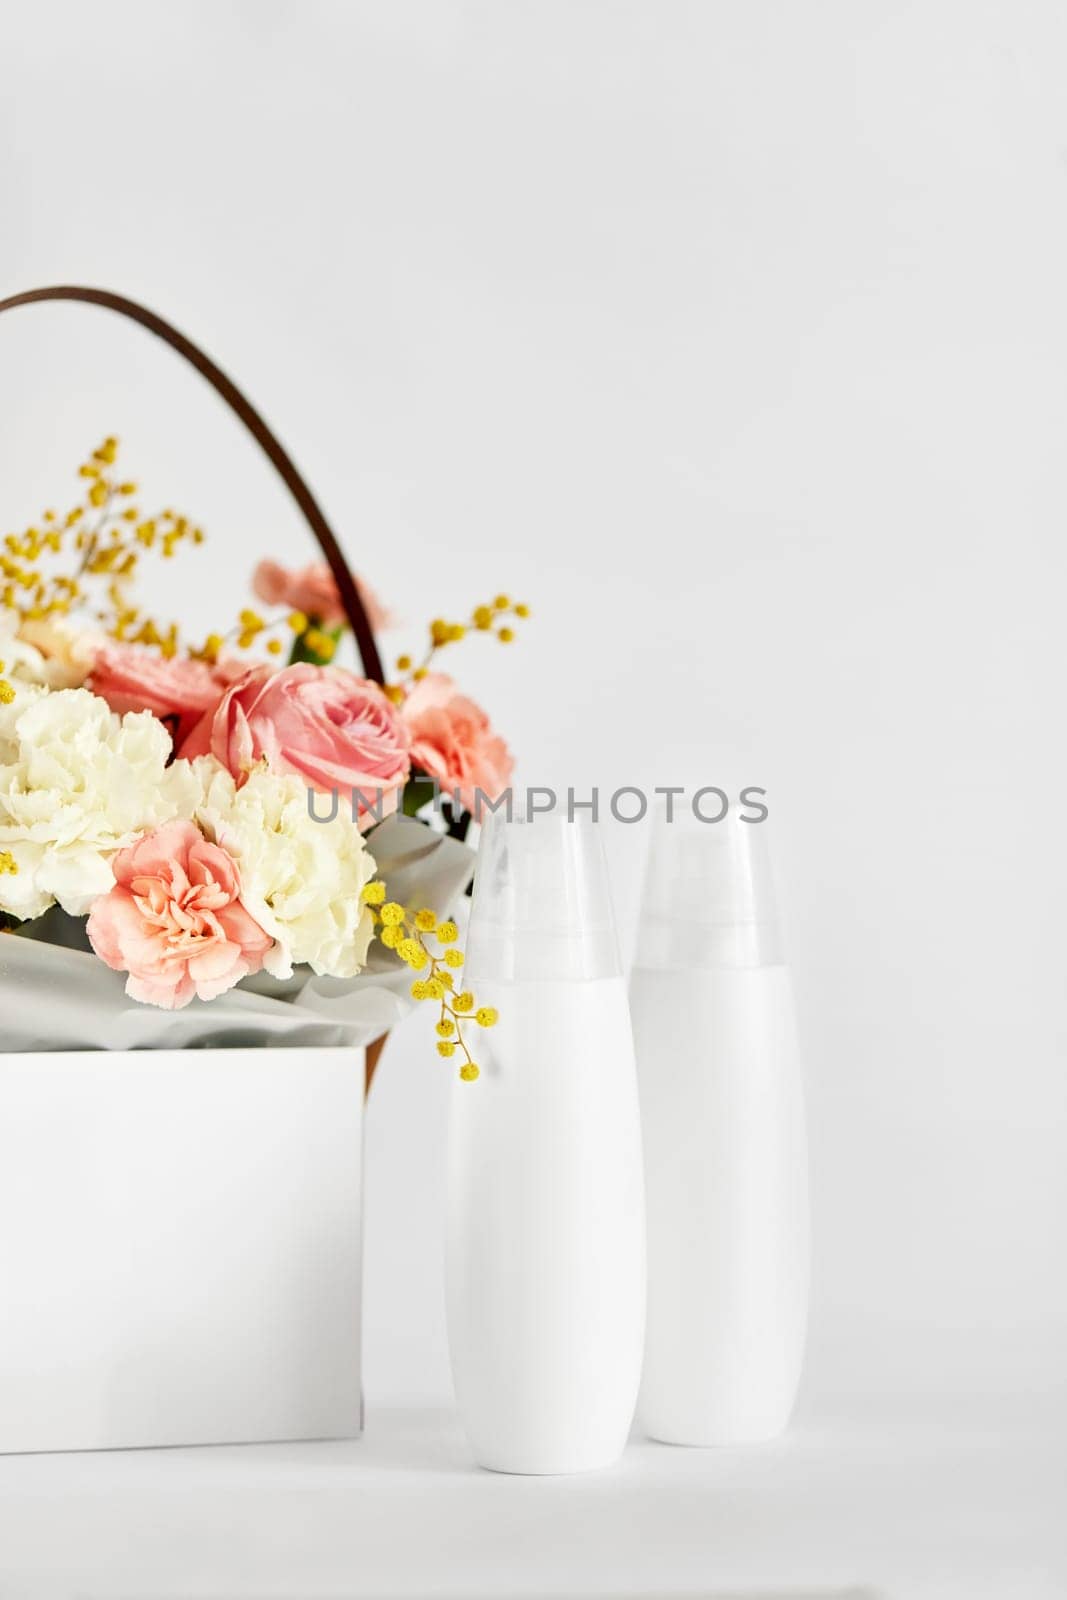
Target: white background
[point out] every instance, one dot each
(733, 338)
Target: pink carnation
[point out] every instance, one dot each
(178, 691)
(332, 729)
(174, 920)
(452, 741)
(313, 590)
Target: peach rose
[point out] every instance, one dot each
(332, 729)
(174, 920)
(313, 590)
(178, 691)
(452, 741)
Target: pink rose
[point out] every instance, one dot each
(334, 730)
(313, 591)
(174, 920)
(178, 691)
(452, 741)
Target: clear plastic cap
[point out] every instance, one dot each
(542, 903)
(709, 898)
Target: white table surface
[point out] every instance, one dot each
(894, 1509)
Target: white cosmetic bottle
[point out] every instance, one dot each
(724, 1136)
(545, 1263)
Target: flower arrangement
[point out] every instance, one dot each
(160, 789)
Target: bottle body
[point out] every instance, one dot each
(727, 1202)
(545, 1262)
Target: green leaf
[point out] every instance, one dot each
(417, 793)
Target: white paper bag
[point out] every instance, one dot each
(179, 1247)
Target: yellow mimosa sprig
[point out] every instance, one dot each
(489, 619)
(251, 627)
(87, 558)
(407, 932)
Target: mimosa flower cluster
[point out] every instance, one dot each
(159, 788)
(408, 932)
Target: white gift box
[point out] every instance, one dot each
(179, 1247)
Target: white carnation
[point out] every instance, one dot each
(22, 662)
(64, 652)
(300, 879)
(22, 693)
(50, 652)
(77, 784)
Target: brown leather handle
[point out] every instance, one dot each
(257, 427)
